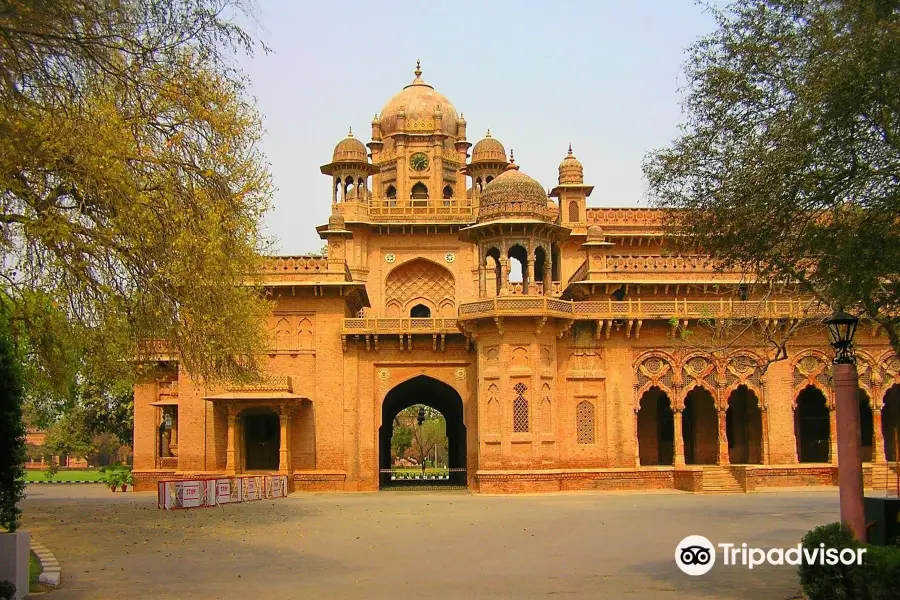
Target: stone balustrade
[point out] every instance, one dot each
(385, 211)
(642, 309)
(398, 325)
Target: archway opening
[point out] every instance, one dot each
(540, 264)
(890, 422)
(435, 396)
(555, 262)
(420, 311)
(518, 265)
(262, 440)
(866, 426)
(700, 428)
(419, 191)
(493, 278)
(743, 427)
(656, 428)
(811, 426)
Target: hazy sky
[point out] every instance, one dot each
(603, 75)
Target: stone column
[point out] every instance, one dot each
(850, 474)
(284, 463)
(764, 435)
(230, 462)
(832, 435)
(724, 459)
(504, 275)
(878, 455)
(529, 277)
(637, 440)
(548, 274)
(678, 456)
(482, 279)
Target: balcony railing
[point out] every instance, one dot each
(388, 325)
(433, 209)
(642, 309)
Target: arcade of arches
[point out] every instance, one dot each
(543, 329)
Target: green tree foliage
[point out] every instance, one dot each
(401, 440)
(421, 441)
(789, 161)
(71, 435)
(12, 430)
(132, 187)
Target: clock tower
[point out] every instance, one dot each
(419, 146)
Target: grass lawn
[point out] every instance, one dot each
(73, 475)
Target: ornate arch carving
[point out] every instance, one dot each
(744, 367)
(811, 368)
(888, 365)
(700, 370)
(868, 372)
(417, 279)
(654, 369)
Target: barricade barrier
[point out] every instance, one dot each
(175, 494)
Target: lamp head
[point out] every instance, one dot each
(841, 329)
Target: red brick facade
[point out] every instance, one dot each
(575, 374)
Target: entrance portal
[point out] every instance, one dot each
(262, 438)
(439, 396)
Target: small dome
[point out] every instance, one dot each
(350, 149)
(514, 194)
(418, 102)
(570, 170)
(488, 150)
(595, 234)
(336, 222)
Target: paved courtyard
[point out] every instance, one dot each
(415, 545)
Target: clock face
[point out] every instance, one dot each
(418, 161)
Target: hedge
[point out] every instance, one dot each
(878, 578)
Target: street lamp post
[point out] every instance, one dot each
(841, 327)
(420, 418)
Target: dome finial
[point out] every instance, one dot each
(512, 162)
(570, 148)
(418, 70)
(488, 134)
(350, 133)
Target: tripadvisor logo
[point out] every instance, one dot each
(696, 555)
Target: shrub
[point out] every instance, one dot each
(878, 578)
(883, 572)
(827, 582)
(116, 475)
(51, 470)
(7, 590)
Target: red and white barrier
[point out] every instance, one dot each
(195, 493)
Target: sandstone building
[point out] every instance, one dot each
(552, 335)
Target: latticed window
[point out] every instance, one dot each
(584, 414)
(520, 410)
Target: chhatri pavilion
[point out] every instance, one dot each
(549, 333)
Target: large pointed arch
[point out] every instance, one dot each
(441, 396)
(420, 281)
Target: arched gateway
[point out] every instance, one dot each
(439, 396)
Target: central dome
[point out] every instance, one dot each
(419, 101)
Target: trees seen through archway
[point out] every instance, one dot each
(418, 445)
